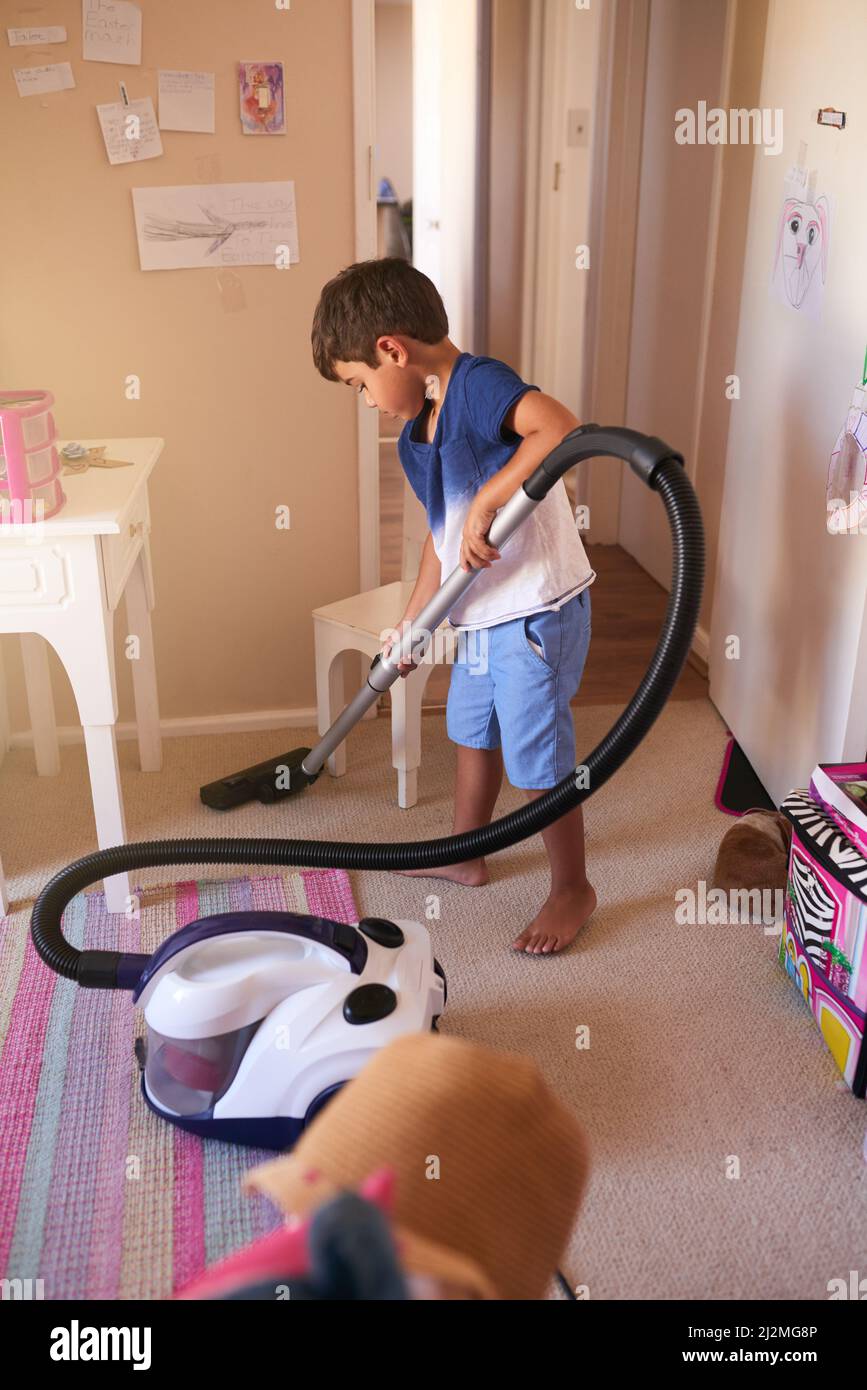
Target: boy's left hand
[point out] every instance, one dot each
(476, 553)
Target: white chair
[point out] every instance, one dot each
(356, 624)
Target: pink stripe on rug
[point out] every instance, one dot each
(189, 1207)
(111, 1176)
(272, 893)
(188, 1224)
(727, 757)
(329, 894)
(20, 1067)
(73, 1200)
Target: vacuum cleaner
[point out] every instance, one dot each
(255, 1019)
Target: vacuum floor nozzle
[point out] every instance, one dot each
(266, 782)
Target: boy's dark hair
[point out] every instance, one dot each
(367, 300)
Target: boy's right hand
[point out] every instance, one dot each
(393, 639)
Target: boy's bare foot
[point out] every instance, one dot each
(559, 922)
(472, 873)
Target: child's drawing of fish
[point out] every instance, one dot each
(220, 228)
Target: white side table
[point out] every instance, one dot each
(62, 584)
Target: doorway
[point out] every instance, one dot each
(431, 176)
(423, 103)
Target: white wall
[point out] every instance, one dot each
(570, 61)
(510, 33)
(394, 95)
(791, 593)
(444, 106)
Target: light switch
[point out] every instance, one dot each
(578, 124)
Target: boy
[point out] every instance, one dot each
(474, 432)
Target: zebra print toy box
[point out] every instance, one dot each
(824, 941)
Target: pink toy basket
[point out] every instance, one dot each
(29, 465)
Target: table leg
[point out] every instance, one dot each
(34, 651)
(107, 805)
(144, 679)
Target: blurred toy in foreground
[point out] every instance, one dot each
(444, 1170)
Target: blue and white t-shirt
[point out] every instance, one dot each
(544, 563)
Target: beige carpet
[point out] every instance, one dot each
(700, 1049)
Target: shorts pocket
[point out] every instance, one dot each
(544, 630)
(584, 598)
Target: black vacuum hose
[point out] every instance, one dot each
(99, 969)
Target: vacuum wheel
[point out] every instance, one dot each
(319, 1102)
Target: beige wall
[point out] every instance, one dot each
(248, 423)
(737, 168)
(394, 95)
(509, 44)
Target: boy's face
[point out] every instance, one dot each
(395, 387)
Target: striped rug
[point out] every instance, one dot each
(99, 1198)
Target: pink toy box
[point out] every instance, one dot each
(30, 488)
(824, 941)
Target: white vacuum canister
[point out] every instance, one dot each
(251, 1029)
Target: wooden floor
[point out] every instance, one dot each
(627, 605)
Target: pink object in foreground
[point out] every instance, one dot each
(30, 489)
(283, 1253)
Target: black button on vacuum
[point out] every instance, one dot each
(369, 1003)
(344, 938)
(383, 932)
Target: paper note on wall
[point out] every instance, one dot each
(111, 31)
(221, 224)
(130, 132)
(31, 38)
(51, 77)
(186, 100)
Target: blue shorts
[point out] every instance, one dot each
(505, 693)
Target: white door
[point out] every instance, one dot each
(568, 63)
(445, 77)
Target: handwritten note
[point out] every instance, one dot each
(111, 31)
(51, 77)
(186, 100)
(130, 132)
(32, 38)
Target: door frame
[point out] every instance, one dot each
(364, 139)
